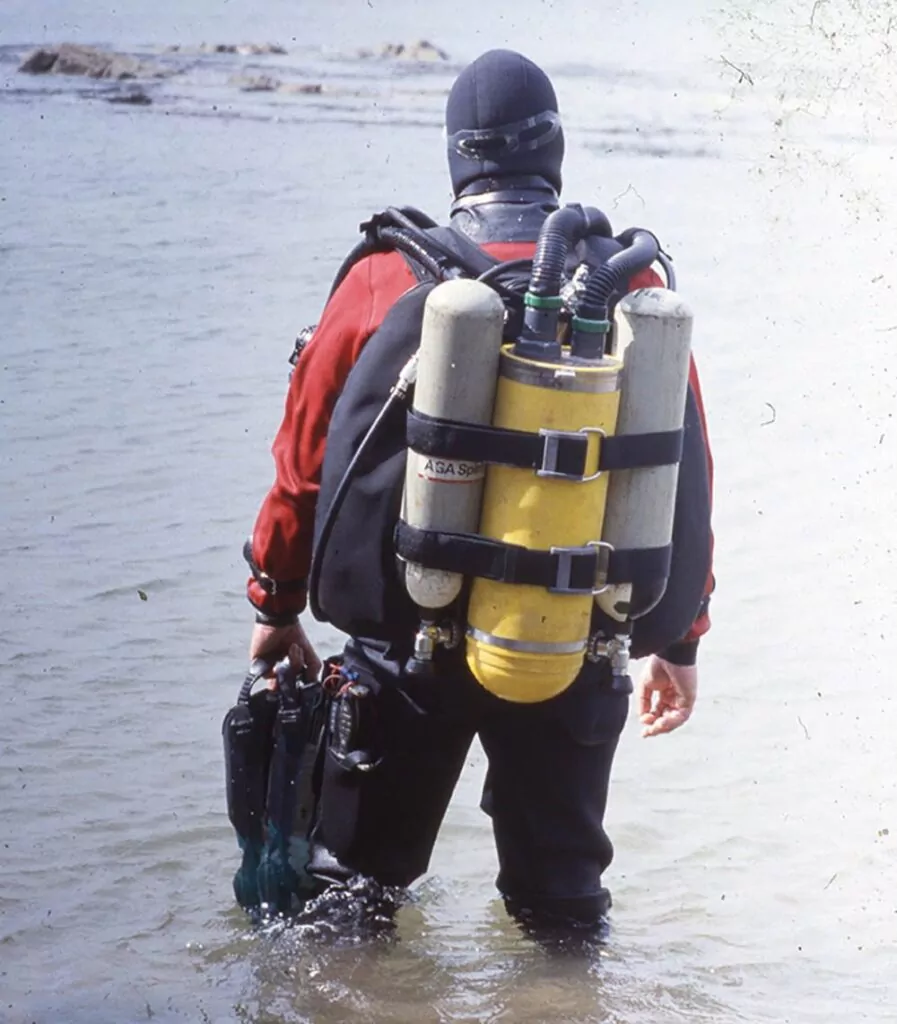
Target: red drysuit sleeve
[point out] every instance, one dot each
(282, 535)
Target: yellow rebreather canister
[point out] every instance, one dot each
(527, 643)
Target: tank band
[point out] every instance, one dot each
(526, 646)
(561, 376)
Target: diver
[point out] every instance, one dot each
(396, 736)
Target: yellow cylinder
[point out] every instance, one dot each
(527, 643)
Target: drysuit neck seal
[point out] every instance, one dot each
(505, 209)
(518, 188)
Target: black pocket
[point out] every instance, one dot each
(392, 761)
(355, 744)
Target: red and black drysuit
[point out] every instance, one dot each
(549, 764)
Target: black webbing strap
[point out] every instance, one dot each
(562, 570)
(550, 452)
(641, 451)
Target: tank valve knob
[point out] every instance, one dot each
(616, 651)
(429, 636)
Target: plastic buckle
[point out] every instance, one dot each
(551, 452)
(600, 550)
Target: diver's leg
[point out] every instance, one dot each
(546, 792)
(381, 811)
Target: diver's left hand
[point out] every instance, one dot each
(666, 695)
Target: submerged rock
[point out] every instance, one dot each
(136, 98)
(255, 83)
(305, 88)
(421, 50)
(265, 83)
(244, 49)
(69, 59)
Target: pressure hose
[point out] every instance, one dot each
(397, 395)
(561, 231)
(405, 229)
(591, 323)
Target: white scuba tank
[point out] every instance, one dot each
(654, 327)
(456, 377)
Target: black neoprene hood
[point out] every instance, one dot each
(501, 119)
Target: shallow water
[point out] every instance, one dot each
(155, 263)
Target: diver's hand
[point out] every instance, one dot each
(274, 642)
(666, 695)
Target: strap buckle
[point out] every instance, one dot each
(599, 551)
(552, 454)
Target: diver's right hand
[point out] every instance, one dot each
(274, 642)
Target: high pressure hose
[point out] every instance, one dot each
(398, 394)
(413, 222)
(561, 231)
(399, 238)
(592, 321)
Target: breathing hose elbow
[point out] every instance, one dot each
(555, 238)
(592, 321)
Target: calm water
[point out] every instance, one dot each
(155, 263)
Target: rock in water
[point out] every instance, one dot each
(137, 98)
(244, 49)
(421, 51)
(69, 59)
(302, 88)
(265, 83)
(255, 83)
(39, 62)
